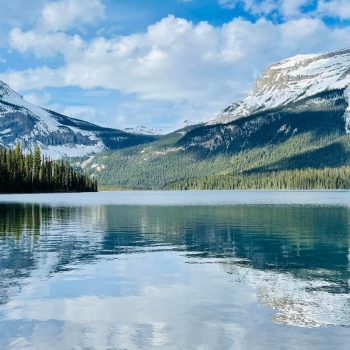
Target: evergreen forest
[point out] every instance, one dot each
(33, 173)
(304, 161)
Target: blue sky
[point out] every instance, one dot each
(156, 62)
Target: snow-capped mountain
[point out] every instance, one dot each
(305, 93)
(143, 130)
(57, 135)
(293, 80)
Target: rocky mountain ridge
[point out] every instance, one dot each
(306, 93)
(57, 135)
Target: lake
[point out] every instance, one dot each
(175, 270)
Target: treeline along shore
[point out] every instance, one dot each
(34, 173)
(303, 179)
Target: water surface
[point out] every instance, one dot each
(175, 270)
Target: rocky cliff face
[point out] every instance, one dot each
(57, 135)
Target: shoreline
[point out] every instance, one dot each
(185, 198)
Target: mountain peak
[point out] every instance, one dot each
(292, 80)
(57, 135)
(7, 94)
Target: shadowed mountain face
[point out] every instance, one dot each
(57, 135)
(321, 115)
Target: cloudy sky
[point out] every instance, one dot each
(123, 63)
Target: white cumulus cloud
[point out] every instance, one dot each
(45, 44)
(175, 59)
(334, 8)
(64, 14)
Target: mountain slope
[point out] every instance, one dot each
(57, 135)
(296, 117)
(321, 114)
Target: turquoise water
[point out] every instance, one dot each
(175, 270)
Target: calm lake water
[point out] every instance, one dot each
(175, 270)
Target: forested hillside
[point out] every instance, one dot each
(27, 173)
(306, 160)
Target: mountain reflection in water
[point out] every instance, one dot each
(293, 259)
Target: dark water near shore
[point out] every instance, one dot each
(175, 270)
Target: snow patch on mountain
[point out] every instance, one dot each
(143, 130)
(62, 151)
